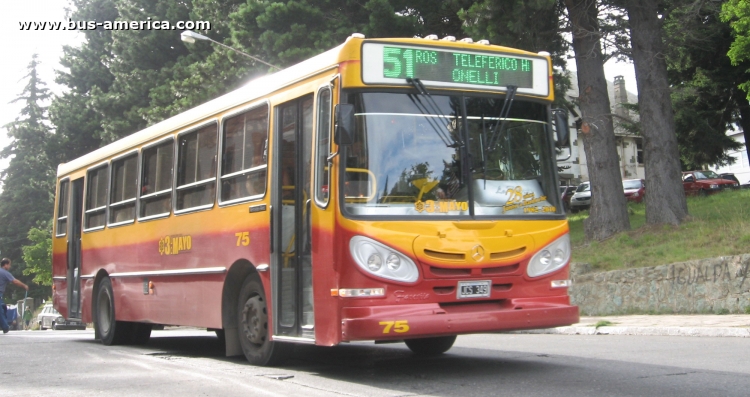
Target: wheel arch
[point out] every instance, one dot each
(238, 272)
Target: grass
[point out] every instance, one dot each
(603, 323)
(719, 225)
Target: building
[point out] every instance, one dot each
(740, 168)
(573, 170)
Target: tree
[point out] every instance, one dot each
(287, 32)
(705, 92)
(529, 25)
(38, 254)
(737, 13)
(28, 182)
(665, 201)
(78, 123)
(608, 206)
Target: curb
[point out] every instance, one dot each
(645, 331)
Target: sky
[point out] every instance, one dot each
(18, 47)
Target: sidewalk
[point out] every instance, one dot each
(736, 325)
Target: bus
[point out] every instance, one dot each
(400, 189)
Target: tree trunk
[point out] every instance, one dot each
(665, 197)
(609, 214)
(744, 120)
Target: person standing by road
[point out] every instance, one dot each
(26, 317)
(5, 279)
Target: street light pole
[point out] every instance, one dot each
(189, 36)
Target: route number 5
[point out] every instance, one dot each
(399, 326)
(243, 238)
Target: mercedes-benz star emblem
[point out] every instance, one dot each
(477, 253)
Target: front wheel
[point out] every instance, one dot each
(431, 346)
(252, 313)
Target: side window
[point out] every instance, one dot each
(322, 151)
(124, 185)
(62, 209)
(96, 197)
(156, 180)
(244, 157)
(196, 168)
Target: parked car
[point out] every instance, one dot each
(566, 192)
(581, 200)
(730, 177)
(702, 183)
(635, 189)
(50, 318)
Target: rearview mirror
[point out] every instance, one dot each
(561, 127)
(344, 119)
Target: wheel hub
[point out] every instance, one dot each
(254, 320)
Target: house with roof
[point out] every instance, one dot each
(572, 164)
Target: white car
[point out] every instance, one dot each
(50, 318)
(581, 200)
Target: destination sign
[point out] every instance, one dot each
(457, 67)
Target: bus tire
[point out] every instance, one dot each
(431, 346)
(252, 314)
(110, 331)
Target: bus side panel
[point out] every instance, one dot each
(59, 267)
(327, 311)
(210, 239)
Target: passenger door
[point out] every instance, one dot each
(292, 261)
(75, 216)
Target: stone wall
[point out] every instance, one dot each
(716, 285)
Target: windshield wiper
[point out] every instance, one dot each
(430, 107)
(496, 132)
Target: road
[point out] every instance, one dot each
(185, 362)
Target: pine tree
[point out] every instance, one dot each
(705, 85)
(28, 182)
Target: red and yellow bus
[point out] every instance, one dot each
(386, 190)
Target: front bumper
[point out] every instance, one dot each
(432, 319)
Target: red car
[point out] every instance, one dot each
(635, 189)
(702, 183)
(566, 192)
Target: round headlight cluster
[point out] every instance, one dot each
(382, 261)
(551, 258)
(374, 262)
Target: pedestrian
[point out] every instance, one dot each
(27, 317)
(5, 279)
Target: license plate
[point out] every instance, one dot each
(473, 289)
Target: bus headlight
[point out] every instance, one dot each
(552, 257)
(369, 255)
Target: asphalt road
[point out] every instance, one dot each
(183, 362)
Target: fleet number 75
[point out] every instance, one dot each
(243, 238)
(399, 326)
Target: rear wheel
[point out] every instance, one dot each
(252, 313)
(431, 346)
(109, 330)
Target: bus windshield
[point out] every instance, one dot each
(406, 157)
